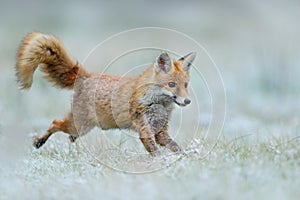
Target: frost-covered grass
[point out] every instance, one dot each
(243, 168)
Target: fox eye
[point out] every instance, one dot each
(185, 85)
(172, 84)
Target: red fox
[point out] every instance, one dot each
(142, 103)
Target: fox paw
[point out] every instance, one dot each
(156, 153)
(37, 143)
(173, 146)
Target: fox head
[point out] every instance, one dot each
(173, 77)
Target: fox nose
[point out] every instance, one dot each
(187, 101)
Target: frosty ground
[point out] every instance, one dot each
(243, 168)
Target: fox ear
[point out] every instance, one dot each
(187, 61)
(163, 63)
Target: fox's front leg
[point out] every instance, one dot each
(146, 135)
(147, 139)
(164, 139)
(157, 118)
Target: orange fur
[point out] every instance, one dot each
(142, 103)
(47, 52)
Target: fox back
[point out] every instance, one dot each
(112, 101)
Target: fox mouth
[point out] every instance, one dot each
(180, 104)
(175, 100)
(180, 101)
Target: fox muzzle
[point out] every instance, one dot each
(181, 101)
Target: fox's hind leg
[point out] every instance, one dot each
(57, 125)
(73, 138)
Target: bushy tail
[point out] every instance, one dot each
(49, 53)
